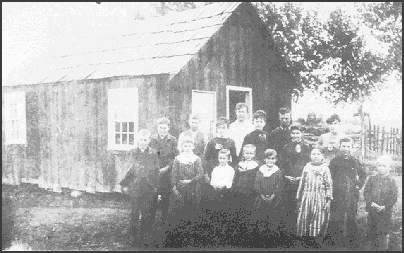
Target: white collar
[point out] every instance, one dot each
(247, 165)
(267, 173)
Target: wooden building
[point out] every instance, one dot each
(67, 119)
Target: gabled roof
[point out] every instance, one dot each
(161, 45)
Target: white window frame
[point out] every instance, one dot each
(15, 118)
(213, 128)
(238, 88)
(123, 107)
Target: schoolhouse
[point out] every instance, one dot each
(67, 120)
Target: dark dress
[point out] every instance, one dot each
(267, 214)
(348, 177)
(381, 190)
(260, 139)
(243, 203)
(292, 165)
(183, 210)
(212, 152)
(278, 138)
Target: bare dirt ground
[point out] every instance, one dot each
(57, 221)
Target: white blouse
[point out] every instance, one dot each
(222, 176)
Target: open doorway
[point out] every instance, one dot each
(235, 95)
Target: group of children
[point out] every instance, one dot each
(265, 190)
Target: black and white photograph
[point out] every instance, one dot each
(202, 126)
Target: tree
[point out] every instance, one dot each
(330, 56)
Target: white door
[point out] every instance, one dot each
(204, 103)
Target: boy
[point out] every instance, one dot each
(380, 195)
(348, 177)
(195, 134)
(140, 182)
(241, 127)
(258, 137)
(330, 152)
(167, 149)
(296, 156)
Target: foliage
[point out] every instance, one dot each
(331, 56)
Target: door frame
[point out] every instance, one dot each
(238, 88)
(214, 105)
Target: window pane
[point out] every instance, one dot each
(131, 126)
(117, 139)
(124, 139)
(124, 126)
(117, 126)
(131, 139)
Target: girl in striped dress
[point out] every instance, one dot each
(314, 196)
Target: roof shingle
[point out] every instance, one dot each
(161, 45)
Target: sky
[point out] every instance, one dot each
(31, 31)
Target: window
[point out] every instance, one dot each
(122, 118)
(15, 118)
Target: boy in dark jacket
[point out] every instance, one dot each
(380, 194)
(140, 182)
(167, 149)
(348, 177)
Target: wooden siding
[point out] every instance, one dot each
(67, 133)
(241, 53)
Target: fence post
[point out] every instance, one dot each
(377, 139)
(382, 146)
(394, 141)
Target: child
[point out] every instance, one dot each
(258, 137)
(186, 172)
(245, 194)
(221, 141)
(195, 134)
(380, 194)
(330, 152)
(167, 149)
(296, 156)
(268, 184)
(314, 198)
(141, 178)
(348, 177)
(220, 195)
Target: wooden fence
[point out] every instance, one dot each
(383, 140)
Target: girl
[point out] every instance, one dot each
(186, 172)
(245, 194)
(220, 193)
(268, 184)
(314, 196)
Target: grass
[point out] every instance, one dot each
(56, 221)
